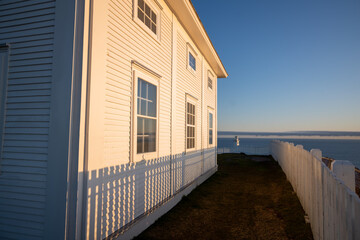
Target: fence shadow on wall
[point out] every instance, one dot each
(118, 196)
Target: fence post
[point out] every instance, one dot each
(345, 171)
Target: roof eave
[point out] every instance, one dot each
(186, 14)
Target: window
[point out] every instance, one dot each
(192, 61)
(147, 16)
(190, 125)
(4, 52)
(210, 83)
(146, 117)
(191, 58)
(211, 128)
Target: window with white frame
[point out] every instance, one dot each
(190, 125)
(192, 61)
(147, 15)
(146, 117)
(191, 58)
(211, 128)
(210, 80)
(210, 83)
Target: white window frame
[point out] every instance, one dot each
(210, 111)
(156, 7)
(192, 100)
(152, 79)
(191, 50)
(210, 76)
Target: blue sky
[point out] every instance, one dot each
(293, 65)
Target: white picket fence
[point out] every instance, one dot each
(333, 209)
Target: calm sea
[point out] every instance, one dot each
(338, 149)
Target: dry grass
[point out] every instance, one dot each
(245, 199)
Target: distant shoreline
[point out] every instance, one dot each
(291, 137)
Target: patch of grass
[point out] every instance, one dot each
(245, 199)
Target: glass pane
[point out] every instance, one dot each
(142, 86)
(153, 17)
(138, 105)
(141, 4)
(140, 144)
(153, 28)
(147, 10)
(147, 21)
(140, 126)
(192, 61)
(142, 107)
(150, 132)
(151, 109)
(210, 120)
(151, 92)
(140, 15)
(210, 136)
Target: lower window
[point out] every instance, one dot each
(190, 125)
(146, 117)
(211, 128)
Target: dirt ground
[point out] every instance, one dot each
(248, 198)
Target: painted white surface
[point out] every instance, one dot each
(345, 171)
(119, 186)
(333, 209)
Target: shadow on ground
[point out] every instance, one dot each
(248, 198)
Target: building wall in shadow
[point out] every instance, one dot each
(117, 196)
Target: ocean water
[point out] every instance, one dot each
(339, 149)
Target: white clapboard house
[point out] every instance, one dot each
(108, 114)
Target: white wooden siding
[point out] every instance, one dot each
(120, 191)
(28, 26)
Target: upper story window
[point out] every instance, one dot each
(210, 80)
(192, 61)
(210, 83)
(147, 15)
(190, 125)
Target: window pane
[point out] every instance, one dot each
(151, 92)
(153, 28)
(140, 126)
(138, 105)
(150, 132)
(143, 107)
(210, 136)
(140, 144)
(147, 21)
(140, 15)
(141, 4)
(147, 10)
(192, 61)
(143, 88)
(210, 120)
(153, 17)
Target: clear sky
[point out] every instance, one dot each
(293, 64)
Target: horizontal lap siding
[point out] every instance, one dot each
(126, 41)
(28, 26)
(186, 83)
